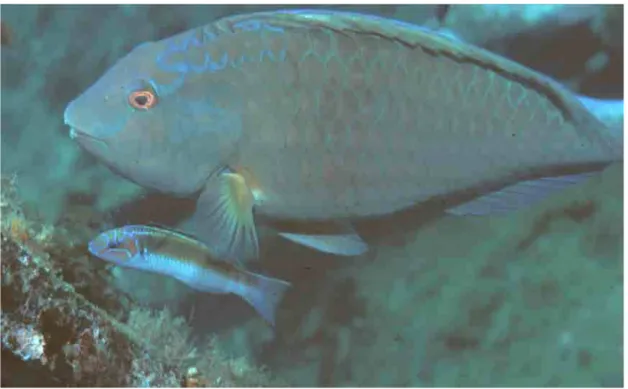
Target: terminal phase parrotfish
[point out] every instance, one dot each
(314, 115)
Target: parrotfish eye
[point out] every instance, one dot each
(143, 99)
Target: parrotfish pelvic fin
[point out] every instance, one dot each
(345, 242)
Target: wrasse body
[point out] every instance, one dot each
(315, 115)
(179, 256)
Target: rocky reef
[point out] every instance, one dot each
(63, 325)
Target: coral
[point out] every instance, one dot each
(168, 338)
(63, 325)
(44, 321)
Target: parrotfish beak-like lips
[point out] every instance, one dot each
(85, 139)
(75, 131)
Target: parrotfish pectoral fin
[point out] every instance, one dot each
(265, 295)
(224, 218)
(347, 245)
(518, 196)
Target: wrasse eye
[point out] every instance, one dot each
(132, 246)
(144, 99)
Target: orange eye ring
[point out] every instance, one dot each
(143, 99)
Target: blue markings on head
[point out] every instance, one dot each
(168, 62)
(210, 65)
(175, 67)
(164, 90)
(191, 40)
(248, 25)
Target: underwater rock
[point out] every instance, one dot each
(64, 325)
(501, 22)
(542, 37)
(609, 26)
(52, 335)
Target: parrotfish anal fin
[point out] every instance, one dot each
(224, 218)
(518, 196)
(347, 243)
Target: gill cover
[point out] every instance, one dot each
(115, 246)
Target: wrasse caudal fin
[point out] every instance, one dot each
(265, 295)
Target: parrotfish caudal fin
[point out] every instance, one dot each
(609, 112)
(265, 295)
(338, 238)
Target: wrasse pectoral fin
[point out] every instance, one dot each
(119, 254)
(346, 244)
(518, 196)
(223, 219)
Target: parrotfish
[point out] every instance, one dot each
(174, 254)
(331, 116)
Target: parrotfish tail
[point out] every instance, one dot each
(265, 295)
(609, 112)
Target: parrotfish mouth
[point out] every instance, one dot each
(83, 137)
(74, 134)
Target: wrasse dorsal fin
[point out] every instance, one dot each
(172, 230)
(183, 241)
(417, 37)
(189, 239)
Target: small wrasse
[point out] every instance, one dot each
(176, 255)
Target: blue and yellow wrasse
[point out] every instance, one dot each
(176, 255)
(309, 115)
